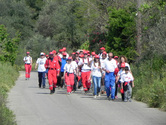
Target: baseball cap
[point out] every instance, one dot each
(93, 53)
(54, 52)
(116, 57)
(64, 54)
(70, 58)
(122, 65)
(42, 54)
(51, 53)
(102, 48)
(104, 53)
(97, 56)
(64, 48)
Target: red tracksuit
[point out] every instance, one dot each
(53, 69)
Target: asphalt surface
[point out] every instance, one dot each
(35, 106)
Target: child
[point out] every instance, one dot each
(69, 70)
(126, 84)
(118, 78)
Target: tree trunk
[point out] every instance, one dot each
(139, 30)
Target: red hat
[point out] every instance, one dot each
(88, 54)
(88, 51)
(46, 55)
(73, 53)
(51, 53)
(28, 52)
(122, 65)
(81, 56)
(104, 53)
(97, 56)
(60, 50)
(54, 52)
(77, 52)
(93, 53)
(64, 48)
(115, 57)
(85, 52)
(70, 57)
(102, 48)
(64, 54)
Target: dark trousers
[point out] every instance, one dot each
(41, 76)
(116, 88)
(75, 82)
(60, 82)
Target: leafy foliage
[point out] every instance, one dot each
(8, 46)
(121, 32)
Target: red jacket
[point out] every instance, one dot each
(53, 64)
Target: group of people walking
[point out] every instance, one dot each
(82, 68)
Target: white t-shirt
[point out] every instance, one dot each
(102, 64)
(41, 62)
(120, 73)
(95, 70)
(110, 65)
(126, 77)
(69, 67)
(74, 64)
(85, 67)
(60, 55)
(27, 59)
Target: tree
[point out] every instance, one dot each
(121, 32)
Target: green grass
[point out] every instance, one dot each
(8, 76)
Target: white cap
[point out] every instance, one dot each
(41, 53)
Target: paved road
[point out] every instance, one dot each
(34, 106)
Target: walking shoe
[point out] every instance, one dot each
(99, 95)
(68, 93)
(129, 100)
(125, 100)
(108, 98)
(53, 90)
(95, 96)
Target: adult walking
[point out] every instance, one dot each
(28, 65)
(64, 61)
(41, 69)
(85, 71)
(96, 75)
(53, 71)
(109, 68)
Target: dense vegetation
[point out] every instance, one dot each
(135, 28)
(7, 80)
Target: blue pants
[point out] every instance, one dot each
(97, 84)
(110, 83)
(41, 76)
